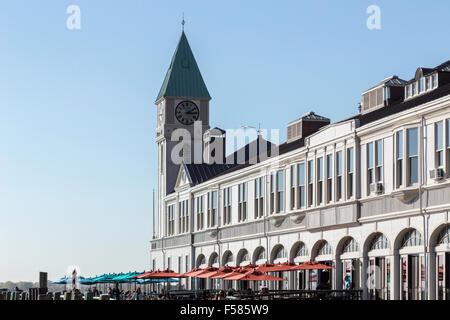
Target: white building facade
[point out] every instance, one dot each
(369, 195)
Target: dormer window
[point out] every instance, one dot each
(435, 80)
(387, 93)
(428, 83)
(421, 85)
(408, 91)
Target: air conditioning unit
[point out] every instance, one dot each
(376, 188)
(437, 174)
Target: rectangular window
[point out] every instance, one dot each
(280, 191)
(227, 206)
(242, 202)
(170, 220)
(310, 182)
(350, 172)
(421, 84)
(439, 144)
(319, 181)
(370, 169)
(374, 163)
(186, 216)
(180, 217)
(408, 91)
(434, 80)
(428, 83)
(259, 197)
(293, 187)
(188, 220)
(212, 209)
(379, 160)
(329, 178)
(447, 143)
(301, 185)
(272, 193)
(387, 93)
(413, 155)
(183, 216)
(414, 88)
(200, 212)
(339, 175)
(399, 158)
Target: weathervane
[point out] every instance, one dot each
(182, 23)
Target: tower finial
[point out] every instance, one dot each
(182, 23)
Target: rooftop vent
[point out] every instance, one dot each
(306, 125)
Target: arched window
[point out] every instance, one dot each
(243, 256)
(228, 258)
(201, 260)
(301, 250)
(214, 259)
(379, 242)
(280, 253)
(412, 238)
(324, 248)
(444, 236)
(260, 254)
(350, 245)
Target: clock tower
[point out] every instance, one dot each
(182, 103)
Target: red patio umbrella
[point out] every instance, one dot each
(255, 275)
(207, 272)
(164, 274)
(285, 266)
(145, 274)
(193, 272)
(263, 267)
(238, 271)
(250, 266)
(223, 271)
(312, 265)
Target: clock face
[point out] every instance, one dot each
(187, 112)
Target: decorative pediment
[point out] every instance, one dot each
(183, 179)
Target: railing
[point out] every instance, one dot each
(270, 295)
(174, 241)
(305, 295)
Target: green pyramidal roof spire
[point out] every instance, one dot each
(183, 79)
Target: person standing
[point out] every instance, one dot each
(137, 295)
(115, 293)
(347, 286)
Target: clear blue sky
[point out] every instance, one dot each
(77, 119)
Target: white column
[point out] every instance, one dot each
(395, 277)
(364, 282)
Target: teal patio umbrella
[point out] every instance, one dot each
(63, 280)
